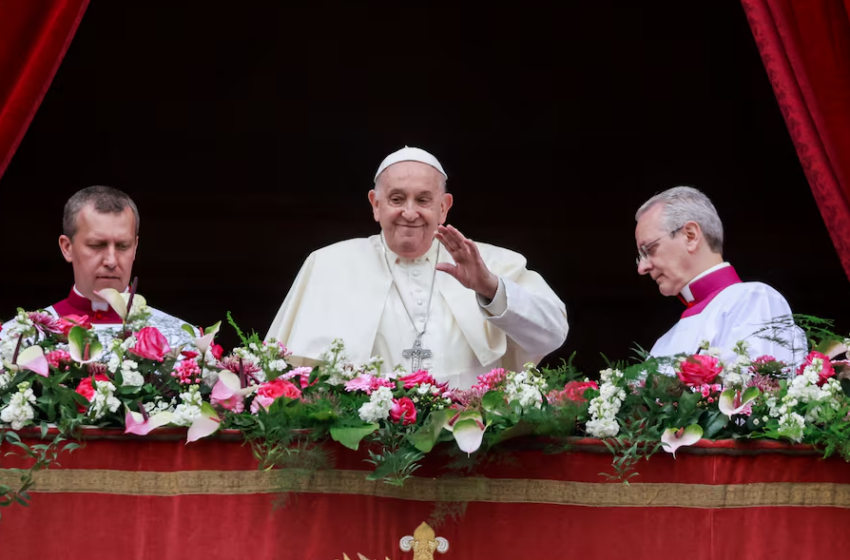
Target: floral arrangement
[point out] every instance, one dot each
(65, 373)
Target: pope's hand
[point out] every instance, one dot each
(469, 268)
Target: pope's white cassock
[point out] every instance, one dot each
(723, 310)
(347, 291)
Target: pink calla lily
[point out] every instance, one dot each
(33, 359)
(674, 438)
(203, 343)
(468, 430)
(733, 402)
(115, 300)
(135, 423)
(208, 423)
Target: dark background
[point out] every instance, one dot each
(248, 134)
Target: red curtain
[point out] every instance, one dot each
(34, 35)
(805, 47)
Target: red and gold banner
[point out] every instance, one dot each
(140, 498)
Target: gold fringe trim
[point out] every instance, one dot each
(493, 490)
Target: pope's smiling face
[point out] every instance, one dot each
(409, 201)
(102, 250)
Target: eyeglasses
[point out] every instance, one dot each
(647, 250)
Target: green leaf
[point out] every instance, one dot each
(189, 329)
(350, 436)
(714, 422)
(845, 385)
(427, 436)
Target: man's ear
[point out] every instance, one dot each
(446, 203)
(693, 235)
(66, 247)
(373, 200)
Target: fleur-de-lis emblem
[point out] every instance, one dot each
(424, 543)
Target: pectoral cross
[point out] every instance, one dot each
(416, 354)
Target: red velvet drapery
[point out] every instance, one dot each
(34, 35)
(805, 47)
(139, 498)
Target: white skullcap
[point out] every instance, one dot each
(410, 154)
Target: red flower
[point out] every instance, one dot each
(403, 406)
(699, 369)
(572, 391)
(68, 322)
(420, 377)
(826, 371)
(85, 389)
(279, 388)
(189, 355)
(150, 344)
(216, 350)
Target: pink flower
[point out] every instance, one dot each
(233, 364)
(362, 382)
(405, 408)
(68, 322)
(490, 379)
(85, 389)
(234, 403)
(268, 392)
(699, 369)
(826, 370)
(765, 384)
(420, 377)
(59, 359)
(767, 365)
(216, 350)
(150, 344)
(572, 392)
(45, 322)
(187, 372)
(303, 375)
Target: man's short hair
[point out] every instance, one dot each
(105, 200)
(687, 204)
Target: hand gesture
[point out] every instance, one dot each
(469, 268)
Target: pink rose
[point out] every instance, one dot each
(85, 389)
(268, 392)
(150, 344)
(68, 322)
(826, 371)
(216, 350)
(420, 377)
(403, 406)
(699, 369)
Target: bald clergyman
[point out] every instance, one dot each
(420, 294)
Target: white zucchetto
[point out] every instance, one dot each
(410, 154)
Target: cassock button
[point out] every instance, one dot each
(418, 302)
(98, 315)
(416, 273)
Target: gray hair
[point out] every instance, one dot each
(378, 179)
(105, 200)
(687, 204)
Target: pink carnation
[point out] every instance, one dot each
(59, 359)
